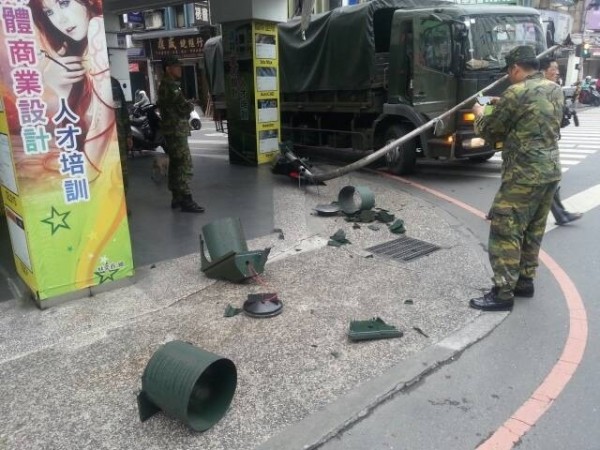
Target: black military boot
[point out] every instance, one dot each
(491, 302)
(570, 217)
(560, 213)
(189, 205)
(175, 204)
(524, 287)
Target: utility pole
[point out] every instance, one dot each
(584, 10)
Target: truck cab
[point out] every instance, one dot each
(438, 58)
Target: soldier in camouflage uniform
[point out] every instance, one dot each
(123, 127)
(527, 120)
(549, 67)
(175, 111)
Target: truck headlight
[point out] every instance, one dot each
(476, 142)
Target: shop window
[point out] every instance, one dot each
(179, 16)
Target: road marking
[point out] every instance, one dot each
(526, 416)
(569, 154)
(588, 146)
(206, 141)
(582, 202)
(223, 157)
(578, 150)
(216, 134)
(463, 173)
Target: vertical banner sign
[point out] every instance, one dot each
(239, 92)
(60, 171)
(266, 82)
(252, 91)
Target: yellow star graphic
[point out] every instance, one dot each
(57, 220)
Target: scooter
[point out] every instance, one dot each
(195, 122)
(145, 128)
(590, 96)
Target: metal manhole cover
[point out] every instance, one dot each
(403, 248)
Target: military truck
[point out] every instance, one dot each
(364, 75)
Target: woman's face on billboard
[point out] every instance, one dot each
(69, 17)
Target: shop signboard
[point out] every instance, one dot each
(592, 15)
(266, 90)
(251, 67)
(184, 47)
(60, 172)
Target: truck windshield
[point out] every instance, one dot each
(492, 37)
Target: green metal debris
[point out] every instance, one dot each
(230, 258)
(187, 383)
(362, 330)
(398, 227)
(353, 199)
(338, 239)
(231, 311)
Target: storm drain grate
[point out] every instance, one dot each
(403, 248)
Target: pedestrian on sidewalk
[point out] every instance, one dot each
(175, 111)
(526, 118)
(549, 67)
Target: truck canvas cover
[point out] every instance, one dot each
(340, 46)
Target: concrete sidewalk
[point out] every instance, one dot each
(69, 375)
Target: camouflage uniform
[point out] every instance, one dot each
(123, 126)
(175, 111)
(527, 120)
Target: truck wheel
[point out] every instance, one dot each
(402, 159)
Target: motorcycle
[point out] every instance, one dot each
(589, 96)
(145, 128)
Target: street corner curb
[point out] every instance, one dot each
(329, 422)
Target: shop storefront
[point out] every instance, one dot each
(188, 45)
(189, 49)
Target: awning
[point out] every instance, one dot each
(165, 33)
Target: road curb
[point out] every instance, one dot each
(340, 415)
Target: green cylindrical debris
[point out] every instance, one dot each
(189, 384)
(224, 236)
(355, 198)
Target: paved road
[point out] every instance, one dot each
(463, 403)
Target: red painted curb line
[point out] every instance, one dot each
(523, 419)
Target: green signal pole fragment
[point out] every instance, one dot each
(376, 328)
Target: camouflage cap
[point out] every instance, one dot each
(171, 60)
(520, 53)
